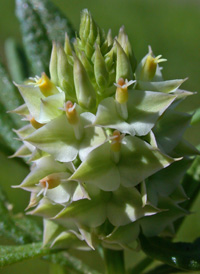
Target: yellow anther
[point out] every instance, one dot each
(71, 113)
(45, 85)
(121, 94)
(116, 141)
(50, 181)
(35, 124)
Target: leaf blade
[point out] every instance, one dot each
(180, 255)
(14, 254)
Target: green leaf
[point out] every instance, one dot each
(163, 269)
(184, 256)
(191, 185)
(170, 129)
(8, 228)
(64, 259)
(36, 42)
(114, 261)
(54, 20)
(143, 264)
(14, 254)
(7, 136)
(166, 180)
(8, 90)
(15, 60)
(40, 22)
(28, 224)
(196, 117)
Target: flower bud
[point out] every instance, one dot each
(65, 73)
(67, 46)
(100, 70)
(123, 69)
(84, 25)
(109, 38)
(90, 34)
(85, 92)
(150, 65)
(109, 59)
(53, 65)
(125, 43)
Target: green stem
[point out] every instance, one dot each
(114, 261)
(141, 266)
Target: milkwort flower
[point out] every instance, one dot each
(105, 141)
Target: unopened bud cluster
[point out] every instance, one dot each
(105, 141)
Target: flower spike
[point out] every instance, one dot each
(102, 151)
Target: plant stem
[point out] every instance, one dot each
(114, 260)
(141, 266)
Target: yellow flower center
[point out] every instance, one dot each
(50, 182)
(121, 94)
(35, 124)
(71, 113)
(116, 141)
(45, 85)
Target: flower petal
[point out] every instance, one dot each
(125, 207)
(32, 97)
(86, 212)
(163, 86)
(50, 107)
(43, 167)
(137, 156)
(98, 169)
(62, 193)
(56, 138)
(144, 108)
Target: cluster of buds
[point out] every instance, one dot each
(106, 143)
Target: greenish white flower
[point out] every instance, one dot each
(105, 141)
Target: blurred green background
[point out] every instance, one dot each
(171, 28)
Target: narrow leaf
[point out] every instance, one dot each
(181, 255)
(64, 259)
(164, 269)
(191, 185)
(8, 90)
(6, 134)
(9, 229)
(36, 42)
(54, 20)
(141, 266)
(16, 64)
(196, 117)
(14, 254)
(41, 23)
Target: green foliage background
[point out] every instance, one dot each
(170, 27)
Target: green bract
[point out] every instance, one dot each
(105, 141)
